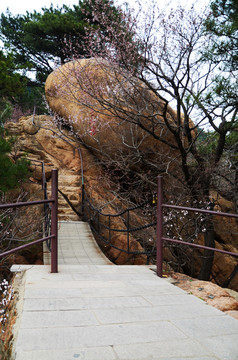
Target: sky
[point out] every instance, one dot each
(21, 6)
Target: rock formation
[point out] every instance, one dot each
(223, 299)
(100, 104)
(58, 149)
(98, 126)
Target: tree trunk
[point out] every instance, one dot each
(231, 277)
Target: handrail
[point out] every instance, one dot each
(46, 229)
(161, 239)
(20, 204)
(88, 207)
(92, 216)
(204, 211)
(120, 213)
(54, 223)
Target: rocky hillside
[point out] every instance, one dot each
(107, 138)
(58, 149)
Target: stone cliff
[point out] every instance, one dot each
(41, 140)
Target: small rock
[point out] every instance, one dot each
(211, 296)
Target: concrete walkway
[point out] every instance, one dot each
(95, 311)
(76, 245)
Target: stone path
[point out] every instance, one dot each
(76, 245)
(99, 311)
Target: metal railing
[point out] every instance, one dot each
(47, 209)
(101, 222)
(159, 231)
(93, 216)
(54, 223)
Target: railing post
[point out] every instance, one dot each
(83, 201)
(43, 173)
(98, 217)
(128, 231)
(159, 228)
(54, 222)
(109, 225)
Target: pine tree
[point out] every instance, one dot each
(12, 172)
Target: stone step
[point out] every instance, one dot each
(65, 189)
(68, 176)
(69, 180)
(32, 156)
(70, 185)
(65, 210)
(62, 201)
(68, 217)
(64, 184)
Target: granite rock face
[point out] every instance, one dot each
(80, 92)
(223, 299)
(43, 141)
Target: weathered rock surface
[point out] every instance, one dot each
(104, 133)
(80, 91)
(43, 141)
(46, 144)
(223, 299)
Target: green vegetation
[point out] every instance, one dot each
(12, 171)
(35, 43)
(12, 83)
(42, 40)
(38, 39)
(222, 25)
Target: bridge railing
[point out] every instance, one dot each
(101, 222)
(47, 209)
(160, 226)
(54, 223)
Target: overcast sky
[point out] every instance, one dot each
(21, 6)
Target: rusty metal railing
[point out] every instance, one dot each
(47, 210)
(54, 223)
(100, 222)
(159, 231)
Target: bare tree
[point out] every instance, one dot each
(124, 96)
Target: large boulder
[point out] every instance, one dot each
(109, 110)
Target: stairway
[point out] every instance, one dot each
(69, 185)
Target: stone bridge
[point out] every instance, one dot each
(95, 310)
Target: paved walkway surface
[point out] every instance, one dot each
(76, 245)
(96, 311)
